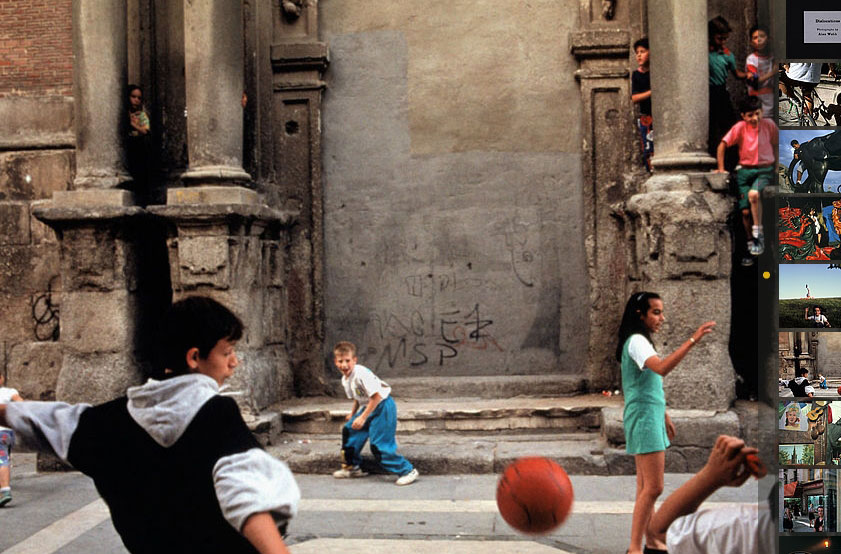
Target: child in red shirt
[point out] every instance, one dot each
(757, 139)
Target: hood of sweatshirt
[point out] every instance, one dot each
(166, 408)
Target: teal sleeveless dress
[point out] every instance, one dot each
(645, 407)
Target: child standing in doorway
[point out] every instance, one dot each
(722, 63)
(759, 67)
(641, 96)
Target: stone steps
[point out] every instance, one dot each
(325, 415)
(583, 433)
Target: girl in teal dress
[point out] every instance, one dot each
(647, 426)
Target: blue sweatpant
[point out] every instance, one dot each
(379, 428)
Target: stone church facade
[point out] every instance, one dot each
(454, 186)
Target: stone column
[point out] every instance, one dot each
(99, 85)
(213, 57)
(113, 292)
(679, 76)
(225, 244)
(680, 248)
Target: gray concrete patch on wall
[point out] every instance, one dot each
(458, 263)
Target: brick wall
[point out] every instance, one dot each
(36, 47)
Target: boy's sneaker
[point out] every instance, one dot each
(349, 472)
(761, 241)
(747, 261)
(407, 479)
(5, 497)
(756, 246)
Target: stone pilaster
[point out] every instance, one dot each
(298, 61)
(99, 87)
(112, 293)
(224, 244)
(609, 151)
(678, 39)
(681, 250)
(213, 60)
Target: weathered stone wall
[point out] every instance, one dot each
(453, 203)
(36, 159)
(829, 355)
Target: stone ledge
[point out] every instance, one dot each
(453, 453)
(695, 428)
(92, 198)
(211, 195)
(210, 213)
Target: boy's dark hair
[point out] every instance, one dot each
(750, 104)
(801, 371)
(636, 307)
(717, 26)
(194, 322)
(795, 142)
(641, 42)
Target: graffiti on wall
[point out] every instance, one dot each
(391, 340)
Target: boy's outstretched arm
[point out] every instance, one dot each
(261, 531)
(3, 420)
(725, 466)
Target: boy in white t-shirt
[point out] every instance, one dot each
(7, 440)
(687, 527)
(376, 421)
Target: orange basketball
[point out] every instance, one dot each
(534, 495)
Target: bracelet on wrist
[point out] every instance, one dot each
(692, 340)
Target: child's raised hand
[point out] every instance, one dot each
(703, 330)
(726, 465)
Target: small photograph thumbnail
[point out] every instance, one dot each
(809, 296)
(809, 228)
(809, 364)
(810, 161)
(809, 500)
(810, 94)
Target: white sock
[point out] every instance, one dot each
(756, 231)
(3, 489)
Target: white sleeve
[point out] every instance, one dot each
(743, 528)
(640, 349)
(809, 389)
(251, 482)
(370, 382)
(45, 426)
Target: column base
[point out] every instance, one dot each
(214, 175)
(93, 197)
(102, 182)
(683, 161)
(211, 195)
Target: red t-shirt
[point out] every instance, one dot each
(756, 146)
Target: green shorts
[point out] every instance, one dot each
(754, 178)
